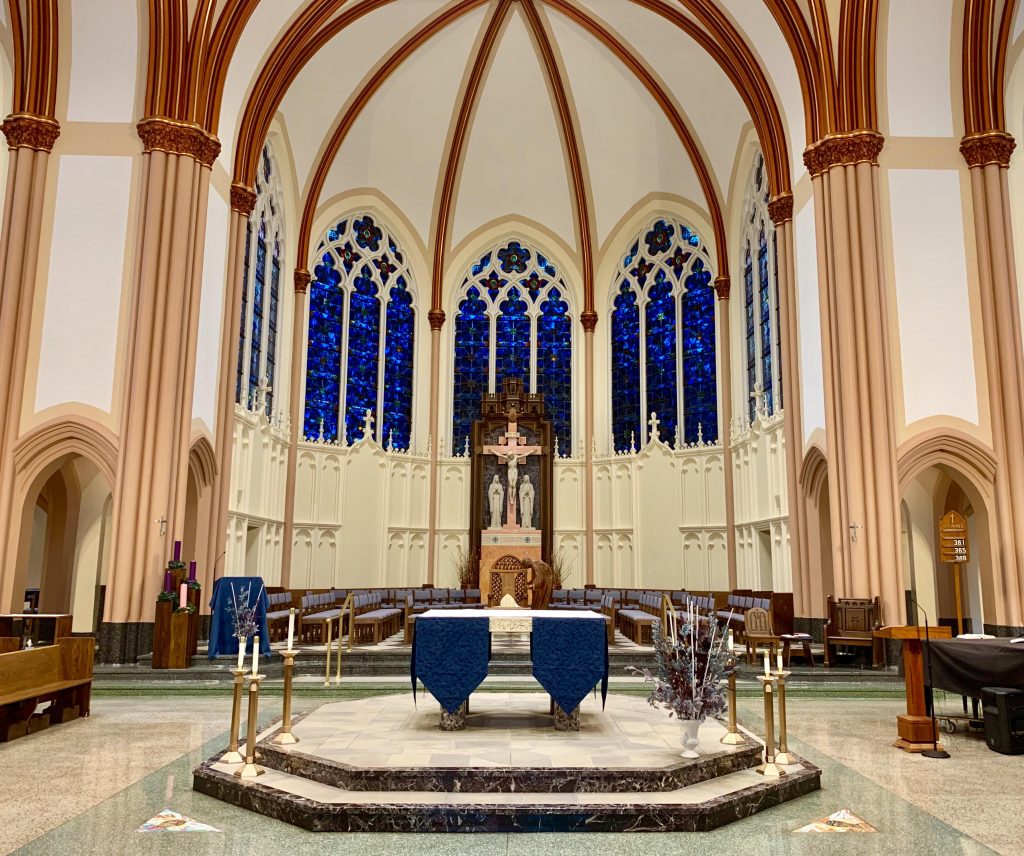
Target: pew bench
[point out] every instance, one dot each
(60, 674)
(372, 621)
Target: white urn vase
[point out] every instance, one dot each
(689, 737)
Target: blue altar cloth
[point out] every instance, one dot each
(569, 658)
(222, 628)
(450, 656)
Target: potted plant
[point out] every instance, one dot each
(692, 660)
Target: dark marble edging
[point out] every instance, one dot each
(383, 817)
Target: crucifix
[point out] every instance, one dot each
(510, 452)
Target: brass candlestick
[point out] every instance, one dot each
(732, 737)
(233, 756)
(250, 770)
(337, 655)
(783, 756)
(769, 768)
(328, 635)
(284, 737)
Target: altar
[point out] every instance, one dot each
(568, 650)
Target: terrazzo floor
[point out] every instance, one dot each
(85, 787)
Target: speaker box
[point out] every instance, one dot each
(1004, 719)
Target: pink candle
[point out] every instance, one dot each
(183, 596)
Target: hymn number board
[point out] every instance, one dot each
(953, 539)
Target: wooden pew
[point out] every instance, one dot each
(60, 674)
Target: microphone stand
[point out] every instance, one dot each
(935, 751)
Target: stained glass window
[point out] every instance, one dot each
(361, 305)
(765, 303)
(664, 309)
(751, 338)
(260, 310)
(514, 320)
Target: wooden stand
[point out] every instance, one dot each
(172, 632)
(916, 728)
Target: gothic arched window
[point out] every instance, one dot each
(761, 298)
(513, 319)
(663, 338)
(359, 356)
(261, 289)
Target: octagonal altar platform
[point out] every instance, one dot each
(380, 764)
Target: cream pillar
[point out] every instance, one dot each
(243, 199)
(725, 419)
(302, 279)
(988, 156)
(780, 209)
(30, 139)
(588, 319)
(149, 503)
(858, 379)
(436, 319)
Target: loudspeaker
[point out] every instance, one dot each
(1004, 719)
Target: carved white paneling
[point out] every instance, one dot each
(692, 476)
(568, 497)
(455, 496)
(416, 566)
(624, 496)
(714, 481)
(305, 484)
(625, 567)
(603, 501)
(326, 560)
(569, 548)
(329, 500)
(604, 558)
(363, 530)
(418, 503)
(717, 562)
(658, 517)
(302, 559)
(399, 498)
(396, 560)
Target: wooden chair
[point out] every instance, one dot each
(853, 622)
(758, 629)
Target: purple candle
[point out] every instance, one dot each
(177, 551)
(167, 580)
(191, 572)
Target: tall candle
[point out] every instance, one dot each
(183, 596)
(168, 583)
(291, 627)
(241, 653)
(191, 572)
(256, 655)
(732, 643)
(767, 670)
(177, 551)
(778, 661)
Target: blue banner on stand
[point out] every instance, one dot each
(229, 590)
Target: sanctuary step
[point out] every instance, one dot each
(380, 764)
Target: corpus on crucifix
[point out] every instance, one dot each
(510, 451)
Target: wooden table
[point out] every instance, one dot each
(916, 727)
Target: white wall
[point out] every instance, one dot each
(211, 311)
(808, 310)
(104, 57)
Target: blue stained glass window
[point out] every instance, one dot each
(554, 366)
(398, 350)
(765, 304)
(662, 395)
(245, 312)
(258, 288)
(626, 368)
(512, 335)
(472, 354)
(323, 356)
(363, 354)
(778, 320)
(275, 302)
(700, 386)
(751, 339)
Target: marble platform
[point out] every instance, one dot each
(381, 765)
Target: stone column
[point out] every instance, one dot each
(588, 319)
(780, 209)
(295, 415)
(859, 416)
(988, 156)
(436, 319)
(724, 349)
(149, 504)
(243, 199)
(30, 139)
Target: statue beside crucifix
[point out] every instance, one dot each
(510, 451)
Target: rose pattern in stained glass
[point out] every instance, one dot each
(514, 258)
(764, 302)
(367, 233)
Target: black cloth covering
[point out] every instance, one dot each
(964, 666)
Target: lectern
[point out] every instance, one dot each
(916, 728)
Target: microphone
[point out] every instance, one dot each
(935, 751)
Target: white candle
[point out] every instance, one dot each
(732, 643)
(241, 652)
(183, 597)
(767, 669)
(256, 655)
(291, 627)
(778, 661)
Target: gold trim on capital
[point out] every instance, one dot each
(780, 208)
(243, 199)
(987, 148)
(301, 279)
(722, 286)
(843, 150)
(436, 319)
(178, 138)
(28, 131)
(588, 318)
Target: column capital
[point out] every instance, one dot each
(988, 147)
(780, 208)
(722, 286)
(436, 319)
(843, 150)
(243, 199)
(159, 133)
(301, 279)
(28, 131)
(588, 318)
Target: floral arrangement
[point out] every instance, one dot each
(188, 607)
(692, 660)
(243, 615)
